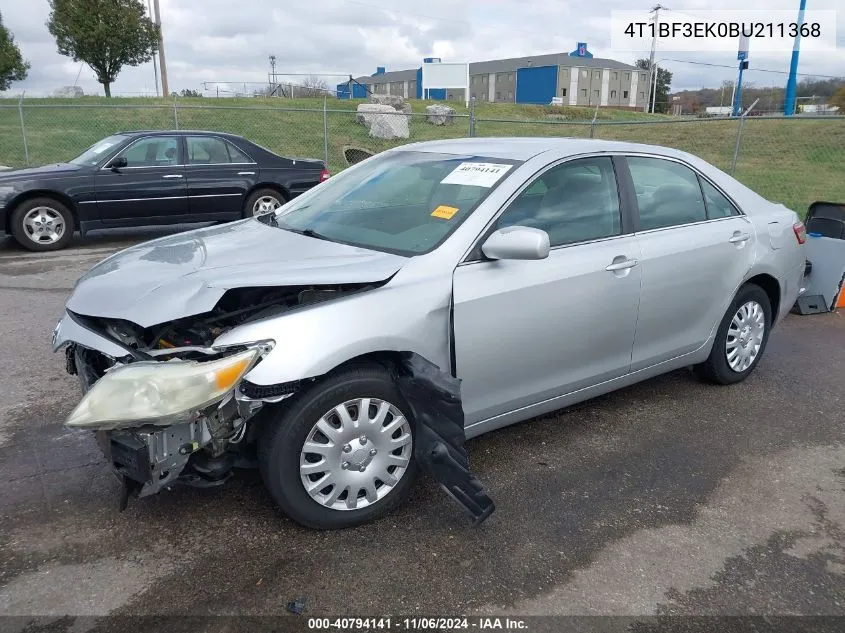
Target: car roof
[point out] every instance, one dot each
(521, 148)
(169, 132)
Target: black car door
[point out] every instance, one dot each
(150, 189)
(219, 176)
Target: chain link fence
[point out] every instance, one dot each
(795, 160)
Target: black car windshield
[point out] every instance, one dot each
(94, 154)
(402, 202)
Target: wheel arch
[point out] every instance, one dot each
(771, 286)
(41, 193)
(269, 185)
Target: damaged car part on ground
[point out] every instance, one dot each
(326, 344)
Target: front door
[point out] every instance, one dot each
(151, 189)
(696, 249)
(528, 331)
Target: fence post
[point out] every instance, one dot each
(472, 117)
(326, 130)
(739, 135)
(593, 123)
(175, 112)
(23, 130)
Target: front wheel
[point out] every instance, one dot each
(42, 224)
(741, 338)
(341, 453)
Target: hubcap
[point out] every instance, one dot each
(355, 454)
(265, 205)
(44, 225)
(745, 336)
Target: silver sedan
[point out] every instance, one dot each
(540, 272)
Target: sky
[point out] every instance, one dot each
(230, 42)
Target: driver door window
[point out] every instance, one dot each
(576, 201)
(155, 151)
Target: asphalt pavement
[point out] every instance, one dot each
(672, 497)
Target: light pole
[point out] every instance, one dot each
(656, 11)
(789, 99)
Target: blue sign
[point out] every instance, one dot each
(581, 51)
(742, 55)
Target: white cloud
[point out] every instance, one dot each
(217, 40)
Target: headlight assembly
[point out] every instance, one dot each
(159, 393)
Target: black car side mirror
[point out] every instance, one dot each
(117, 163)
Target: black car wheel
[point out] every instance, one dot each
(42, 224)
(262, 202)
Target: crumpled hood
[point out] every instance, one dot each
(186, 274)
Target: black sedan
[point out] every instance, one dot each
(149, 178)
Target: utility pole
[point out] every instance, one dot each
(272, 59)
(164, 90)
(656, 11)
(155, 59)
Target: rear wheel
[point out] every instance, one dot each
(262, 202)
(741, 338)
(42, 224)
(341, 453)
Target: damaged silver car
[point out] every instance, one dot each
(538, 272)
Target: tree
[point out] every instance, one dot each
(12, 65)
(105, 34)
(313, 86)
(187, 92)
(664, 82)
(838, 100)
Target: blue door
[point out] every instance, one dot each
(537, 84)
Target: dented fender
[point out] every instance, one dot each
(404, 315)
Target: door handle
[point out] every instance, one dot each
(246, 173)
(738, 238)
(173, 176)
(623, 265)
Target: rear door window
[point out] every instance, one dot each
(668, 193)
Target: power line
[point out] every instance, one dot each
(759, 70)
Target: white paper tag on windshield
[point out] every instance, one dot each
(476, 174)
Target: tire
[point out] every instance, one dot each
(719, 368)
(252, 202)
(42, 224)
(286, 428)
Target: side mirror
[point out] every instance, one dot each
(517, 242)
(117, 163)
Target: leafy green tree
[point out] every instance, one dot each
(105, 34)
(664, 82)
(12, 65)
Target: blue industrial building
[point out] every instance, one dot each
(576, 78)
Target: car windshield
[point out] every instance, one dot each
(403, 202)
(98, 150)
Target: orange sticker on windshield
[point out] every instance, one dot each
(444, 212)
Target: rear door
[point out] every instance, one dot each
(150, 189)
(696, 248)
(219, 177)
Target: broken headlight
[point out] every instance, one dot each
(159, 393)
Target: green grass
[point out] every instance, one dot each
(791, 161)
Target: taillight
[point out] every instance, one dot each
(800, 232)
(324, 175)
